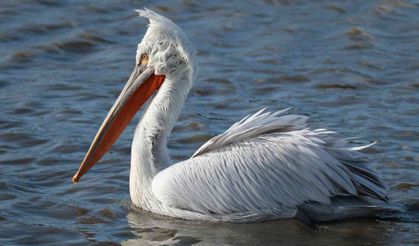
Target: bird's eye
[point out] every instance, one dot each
(143, 59)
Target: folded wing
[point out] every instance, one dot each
(267, 163)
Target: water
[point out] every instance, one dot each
(351, 66)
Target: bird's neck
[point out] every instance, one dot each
(149, 153)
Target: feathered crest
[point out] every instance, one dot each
(155, 18)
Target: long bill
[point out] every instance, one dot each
(140, 86)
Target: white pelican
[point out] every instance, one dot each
(266, 166)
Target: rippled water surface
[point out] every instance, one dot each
(352, 66)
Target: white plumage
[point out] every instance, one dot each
(266, 166)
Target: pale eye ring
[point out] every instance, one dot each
(143, 59)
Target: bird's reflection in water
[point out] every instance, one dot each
(151, 229)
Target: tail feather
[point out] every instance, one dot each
(367, 183)
(345, 207)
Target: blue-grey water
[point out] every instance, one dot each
(352, 66)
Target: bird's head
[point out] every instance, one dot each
(164, 47)
(164, 55)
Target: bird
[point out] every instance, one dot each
(267, 166)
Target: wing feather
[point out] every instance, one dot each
(267, 162)
(252, 126)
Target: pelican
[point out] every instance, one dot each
(269, 165)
